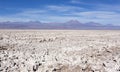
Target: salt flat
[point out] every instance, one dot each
(59, 51)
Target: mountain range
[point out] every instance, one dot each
(72, 24)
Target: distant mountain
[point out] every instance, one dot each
(93, 24)
(72, 24)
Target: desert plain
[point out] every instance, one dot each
(59, 51)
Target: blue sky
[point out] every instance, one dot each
(101, 11)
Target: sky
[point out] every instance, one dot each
(101, 11)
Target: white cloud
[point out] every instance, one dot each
(76, 2)
(81, 2)
(64, 13)
(107, 7)
(98, 14)
(13, 19)
(63, 8)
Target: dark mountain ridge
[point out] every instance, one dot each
(72, 24)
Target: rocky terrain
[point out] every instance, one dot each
(59, 51)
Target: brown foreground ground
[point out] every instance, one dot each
(59, 51)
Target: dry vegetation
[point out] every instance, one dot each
(59, 51)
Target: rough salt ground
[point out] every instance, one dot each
(59, 51)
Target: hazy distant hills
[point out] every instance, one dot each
(72, 24)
